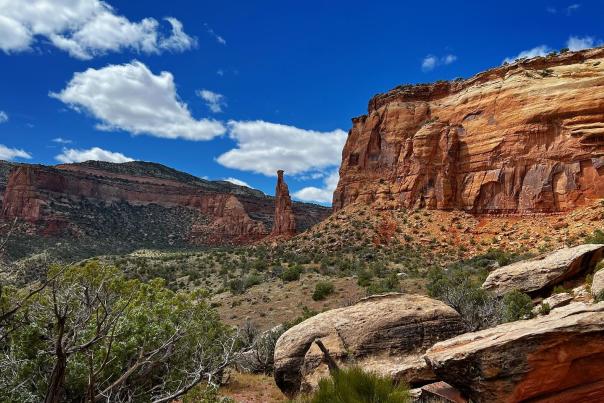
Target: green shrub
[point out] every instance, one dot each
(596, 237)
(355, 385)
(364, 278)
(252, 280)
(237, 286)
(516, 305)
(560, 289)
(388, 284)
(322, 290)
(544, 309)
(291, 273)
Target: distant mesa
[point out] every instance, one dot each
(145, 204)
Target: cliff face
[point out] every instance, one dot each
(285, 220)
(523, 138)
(80, 198)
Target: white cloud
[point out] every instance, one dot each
(321, 195)
(552, 10)
(236, 181)
(448, 59)
(84, 28)
(214, 101)
(577, 43)
(430, 62)
(264, 147)
(130, 97)
(3, 117)
(61, 140)
(540, 50)
(70, 155)
(12, 153)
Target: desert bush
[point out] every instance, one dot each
(545, 309)
(355, 385)
(322, 290)
(291, 273)
(596, 237)
(458, 289)
(517, 305)
(237, 286)
(364, 278)
(389, 284)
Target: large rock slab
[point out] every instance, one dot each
(543, 272)
(387, 334)
(554, 358)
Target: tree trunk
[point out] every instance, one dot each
(54, 393)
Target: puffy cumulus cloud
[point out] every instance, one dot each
(3, 117)
(577, 43)
(236, 181)
(264, 147)
(321, 195)
(70, 155)
(540, 50)
(430, 62)
(84, 28)
(9, 154)
(130, 97)
(213, 100)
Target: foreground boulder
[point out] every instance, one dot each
(545, 271)
(386, 334)
(554, 358)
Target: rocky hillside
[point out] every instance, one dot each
(522, 138)
(138, 204)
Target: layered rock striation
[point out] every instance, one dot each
(386, 334)
(523, 138)
(553, 358)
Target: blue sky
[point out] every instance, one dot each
(238, 89)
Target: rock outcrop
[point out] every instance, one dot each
(387, 334)
(553, 358)
(522, 138)
(139, 200)
(285, 220)
(597, 285)
(539, 275)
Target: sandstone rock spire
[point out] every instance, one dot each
(285, 221)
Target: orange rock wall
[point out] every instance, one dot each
(523, 138)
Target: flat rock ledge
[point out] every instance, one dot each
(555, 358)
(543, 272)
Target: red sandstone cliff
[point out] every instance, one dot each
(521, 138)
(139, 200)
(285, 221)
